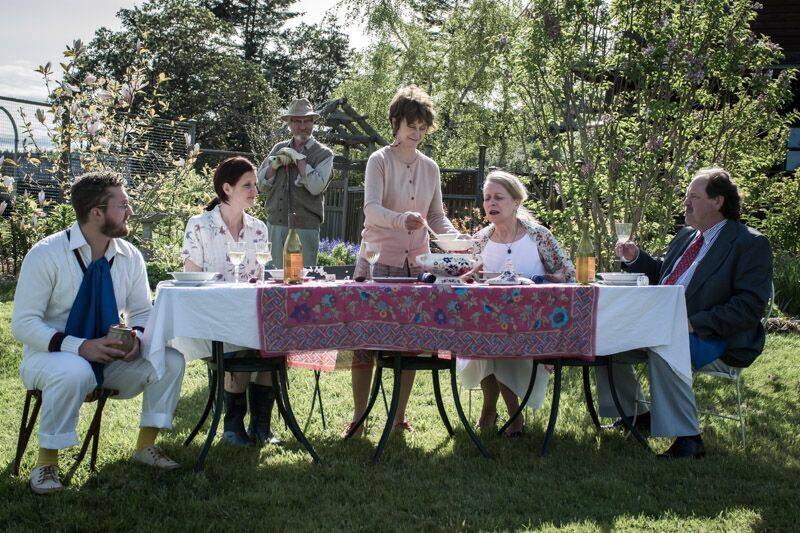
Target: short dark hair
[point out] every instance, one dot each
(90, 190)
(229, 171)
(413, 104)
(719, 183)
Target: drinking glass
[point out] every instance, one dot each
(263, 256)
(623, 230)
(236, 252)
(372, 251)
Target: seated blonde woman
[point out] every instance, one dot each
(205, 249)
(513, 234)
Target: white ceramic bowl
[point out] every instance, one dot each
(455, 245)
(193, 276)
(276, 273)
(447, 236)
(446, 264)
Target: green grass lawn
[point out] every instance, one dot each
(425, 481)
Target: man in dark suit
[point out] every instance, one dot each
(726, 269)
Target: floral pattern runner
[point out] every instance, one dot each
(469, 321)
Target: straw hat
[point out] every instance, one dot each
(300, 108)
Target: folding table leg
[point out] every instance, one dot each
(587, 395)
(373, 395)
(291, 421)
(219, 385)
(551, 424)
(524, 401)
(316, 394)
(437, 393)
(460, 410)
(212, 392)
(398, 374)
(625, 420)
(319, 395)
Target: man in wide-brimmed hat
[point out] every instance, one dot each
(294, 177)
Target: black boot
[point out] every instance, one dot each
(262, 399)
(233, 425)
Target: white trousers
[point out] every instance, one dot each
(66, 378)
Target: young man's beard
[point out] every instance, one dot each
(109, 229)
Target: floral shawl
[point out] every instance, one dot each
(554, 259)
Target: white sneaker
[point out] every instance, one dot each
(154, 456)
(44, 479)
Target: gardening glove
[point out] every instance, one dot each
(291, 152)
(280, 160)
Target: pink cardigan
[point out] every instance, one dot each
(391, 190)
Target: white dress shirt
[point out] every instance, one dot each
(49, 281)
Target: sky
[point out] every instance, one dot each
(33, 32)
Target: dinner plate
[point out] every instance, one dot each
(193, 276)
(619, 276)
(395, 280)
(179, 283)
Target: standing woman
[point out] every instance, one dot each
(512, 235)
(205, 248)
(402, 189)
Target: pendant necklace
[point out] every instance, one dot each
(513, 240)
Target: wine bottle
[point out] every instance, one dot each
(293, 254)
(585, 258)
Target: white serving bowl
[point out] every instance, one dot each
(447, 264)
(455, 245)
(276, 273)
(447, 236)
(193, 276)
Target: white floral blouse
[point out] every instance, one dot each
(553, 257)
(205, 243)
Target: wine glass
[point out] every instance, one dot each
(263, 256)
(623, 230)
(236, 252)
(372, 251)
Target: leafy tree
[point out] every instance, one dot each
(311, 61)
(612, 104)
(206, 78)
(303, 61)
(259, 23)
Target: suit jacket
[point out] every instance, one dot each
(728, 293)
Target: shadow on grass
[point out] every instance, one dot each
(428, 481)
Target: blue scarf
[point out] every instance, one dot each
(95, 307)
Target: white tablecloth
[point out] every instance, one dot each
(627, 318)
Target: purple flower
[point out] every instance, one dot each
(301, 313)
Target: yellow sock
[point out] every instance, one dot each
(47, 457)
(147, 437)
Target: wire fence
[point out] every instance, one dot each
(25, 156)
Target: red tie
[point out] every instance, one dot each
(686, 260)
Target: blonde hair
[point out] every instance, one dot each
(515, 188)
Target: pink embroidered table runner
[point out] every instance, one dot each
(470, 321)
